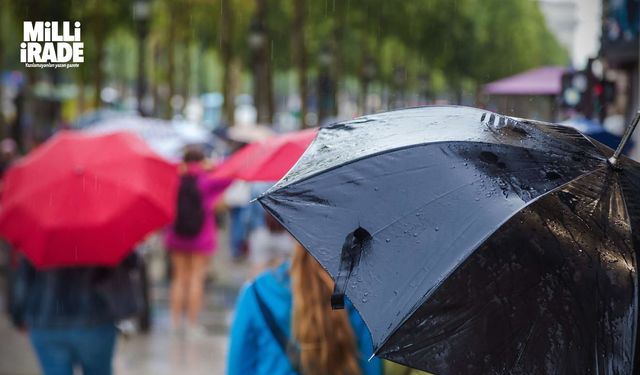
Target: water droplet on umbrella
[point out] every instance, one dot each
(436, 229)
(388, 240)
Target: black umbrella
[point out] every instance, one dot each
(474, 243)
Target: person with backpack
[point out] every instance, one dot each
(284, 324)
(191, 240)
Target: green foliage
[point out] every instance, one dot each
(454, 42)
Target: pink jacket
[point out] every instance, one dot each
(205, 242)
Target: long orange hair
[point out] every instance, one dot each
(326, 339)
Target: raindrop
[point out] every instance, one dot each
(388, 240)
(364, 300)
(366, 294)
(395, 292)
(415, 234)
(375, 188)
(436, 229)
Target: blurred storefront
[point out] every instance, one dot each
(532, 94)
(619, 51)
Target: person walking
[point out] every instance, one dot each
(191, 240)
(70, 313)
(284, 324)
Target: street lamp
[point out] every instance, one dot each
(399, 80)
(326, 57)
(368, 73)
(257, 40)
(141, 14)
(425, 87)
(257, 37)
(325, 84)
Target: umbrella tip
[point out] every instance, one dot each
(613, 160)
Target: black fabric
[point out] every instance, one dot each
(190, 212)
(123, 288)
(75, 296)
(288, 345)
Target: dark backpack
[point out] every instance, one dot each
(190, 213)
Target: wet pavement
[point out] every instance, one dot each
(161, 351)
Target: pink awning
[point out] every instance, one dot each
(539, 81)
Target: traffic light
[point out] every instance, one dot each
(576, 94)
(585, 93)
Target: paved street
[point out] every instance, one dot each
(160, 352)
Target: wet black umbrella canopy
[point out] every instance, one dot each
(473, 243)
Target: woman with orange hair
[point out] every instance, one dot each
(284, 325)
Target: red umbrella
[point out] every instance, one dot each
(84, 199)
(267, 160)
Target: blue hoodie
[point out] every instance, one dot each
(253, 347)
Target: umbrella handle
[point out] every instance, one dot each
(354, 245)
(627, 134)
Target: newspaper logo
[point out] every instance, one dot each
(51, 44)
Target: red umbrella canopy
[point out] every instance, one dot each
(267, 160)
(83, 199)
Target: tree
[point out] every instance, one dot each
(300, 56)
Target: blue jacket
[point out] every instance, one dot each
(253, 348)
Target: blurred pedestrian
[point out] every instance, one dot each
(8, 154)
(284, 325)
(236, 199)
(71, 313)
(192, 239)
(269, 245)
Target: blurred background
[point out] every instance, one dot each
(225, 73)
(296, 63)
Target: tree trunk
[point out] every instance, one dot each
(269, 80)
(154, 84)
(262, 67)
(300, 53)
(338, 36)
(364, 91)
(98, 74)
(171, 63)
(226, 50)
(3, 131)
(141, 79)
(186, 71)
(82, 81)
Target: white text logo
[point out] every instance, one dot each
(51, 44)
